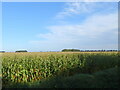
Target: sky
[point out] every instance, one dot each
(53, 26)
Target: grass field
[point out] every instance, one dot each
(60, 69)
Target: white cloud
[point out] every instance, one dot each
(75, 8)
(97, 29)
(101, 0)
(93, 26)
(78, 8)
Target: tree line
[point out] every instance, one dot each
(71, 50)
(77, 50)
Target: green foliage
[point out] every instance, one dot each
(21, 51)
(70, 50)
(2, 51)
(108, 78)
(19, 68)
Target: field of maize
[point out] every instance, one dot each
(32, 69)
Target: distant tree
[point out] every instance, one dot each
(2, 51)
(21, 51)
(70, 50)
